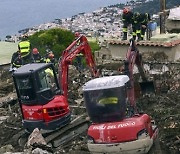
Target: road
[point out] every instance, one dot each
(6, 51)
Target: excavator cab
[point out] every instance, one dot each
(105, 98)
(36, 83)
(39, 94)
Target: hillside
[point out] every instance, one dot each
(151, 6)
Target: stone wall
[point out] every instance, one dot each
(118, 51)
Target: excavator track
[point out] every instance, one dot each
(61, 136)
(67, 133)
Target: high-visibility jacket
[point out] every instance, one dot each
(17, 62)
(136, 18)
(49, 72)
(37, 58)
(47, 60)
(144, 18)
(24, 47)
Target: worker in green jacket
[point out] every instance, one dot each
(24, 47)
(136, 26)
(144, 18)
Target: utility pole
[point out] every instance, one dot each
(162, 16)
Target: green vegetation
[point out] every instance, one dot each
(55, 40)
(94, 46)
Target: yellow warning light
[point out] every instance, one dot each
(44, 110)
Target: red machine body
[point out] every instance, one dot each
(131, 132)
(79, 46)
(42, 97)
(122, 131)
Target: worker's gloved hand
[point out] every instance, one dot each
(143, 26)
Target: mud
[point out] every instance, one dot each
(162, 106)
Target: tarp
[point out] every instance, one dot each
(174, 14)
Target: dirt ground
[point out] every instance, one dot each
(162, 106)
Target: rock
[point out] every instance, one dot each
(79, 101)
(6, 148)
(15, 153)
(36, 137)
(3, 118)
(40, 151)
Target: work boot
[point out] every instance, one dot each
(124, 36)
(134, 38)
(139, 37)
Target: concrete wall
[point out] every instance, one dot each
(118, 51)
(173, 25)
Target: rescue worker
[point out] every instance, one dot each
(127, 20)
(25, 49)
(49, 58)
(136, 26)
(144, 18)
(36, 56)
(16, 60)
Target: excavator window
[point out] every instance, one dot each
(106, 104)
(47, 80)
(26, 88)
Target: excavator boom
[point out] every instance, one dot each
(79, 46)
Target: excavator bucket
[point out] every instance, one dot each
(147, 87)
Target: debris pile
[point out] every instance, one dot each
(162, 106)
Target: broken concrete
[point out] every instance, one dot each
(163, 107)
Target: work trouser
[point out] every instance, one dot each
(125, 29)
(136, 31)
(143, 30)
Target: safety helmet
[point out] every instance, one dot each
(136, 14)
(35, 51)
(125, 10)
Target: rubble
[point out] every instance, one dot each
(36, 138)
(162, 106)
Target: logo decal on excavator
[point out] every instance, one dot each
(121, 125)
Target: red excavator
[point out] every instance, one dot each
(42, 97)
(117, 127)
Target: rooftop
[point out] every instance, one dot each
(162, 40)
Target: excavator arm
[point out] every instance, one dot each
(133, 57)
(80, 45)
(129, 63)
